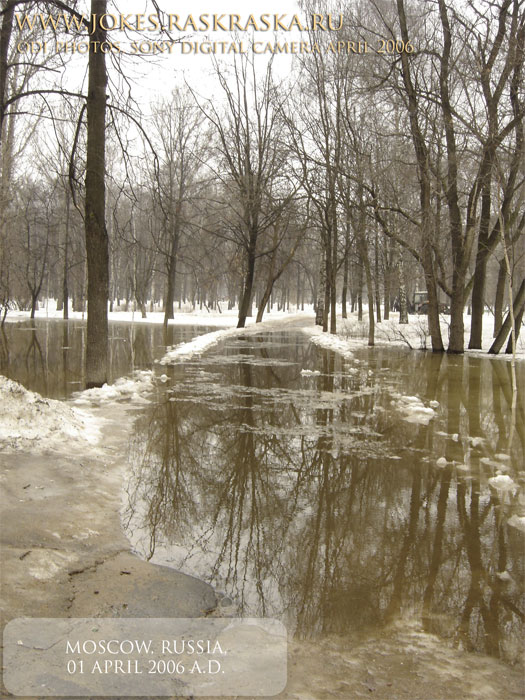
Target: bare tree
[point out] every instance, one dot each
(250, 160)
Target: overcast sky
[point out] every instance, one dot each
(154, 75)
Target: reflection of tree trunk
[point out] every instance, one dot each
(394, 605)
(471, 530)
(478, 574)
(322, 530)
(65, 357)
(437, 548)
(502, 370)
(39, 369)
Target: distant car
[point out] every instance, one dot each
(423, 308)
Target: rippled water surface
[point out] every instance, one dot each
(341, 500)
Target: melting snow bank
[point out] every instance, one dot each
(29, 420)
(328, 341)
(197, 345)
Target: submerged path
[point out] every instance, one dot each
(66, 556)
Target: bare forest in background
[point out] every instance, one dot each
(356, 180)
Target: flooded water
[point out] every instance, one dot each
(341, 500)
(49, 356)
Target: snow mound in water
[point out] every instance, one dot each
(413, 409)
(124, 389)
(330, 342)
(29, 420)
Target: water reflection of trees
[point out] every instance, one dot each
(48, 356)
(300, 506)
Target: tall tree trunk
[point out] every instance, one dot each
(170, 284)
(97, 252)
(506, 327)
(377, 285)
(344, 293)
(500, 297)
(360, 292)
(517, 327)
(320, 299)
(403, 299)
(5, 38)
(422, 157)
(246, 299)
(65, 282)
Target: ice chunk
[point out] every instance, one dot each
(503, 483)
(517, 521)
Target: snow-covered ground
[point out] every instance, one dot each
(187, 315)
(353, 334)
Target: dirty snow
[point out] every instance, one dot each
(124, 389)
(29, 421)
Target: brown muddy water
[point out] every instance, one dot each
(345, 497)
(49, 356)
(342, 501)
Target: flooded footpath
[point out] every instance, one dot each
(372, 503)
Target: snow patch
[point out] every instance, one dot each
(329, 341)
(27, 419)
(310, 372)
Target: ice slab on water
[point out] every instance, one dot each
(413, 409)
(503, 483)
